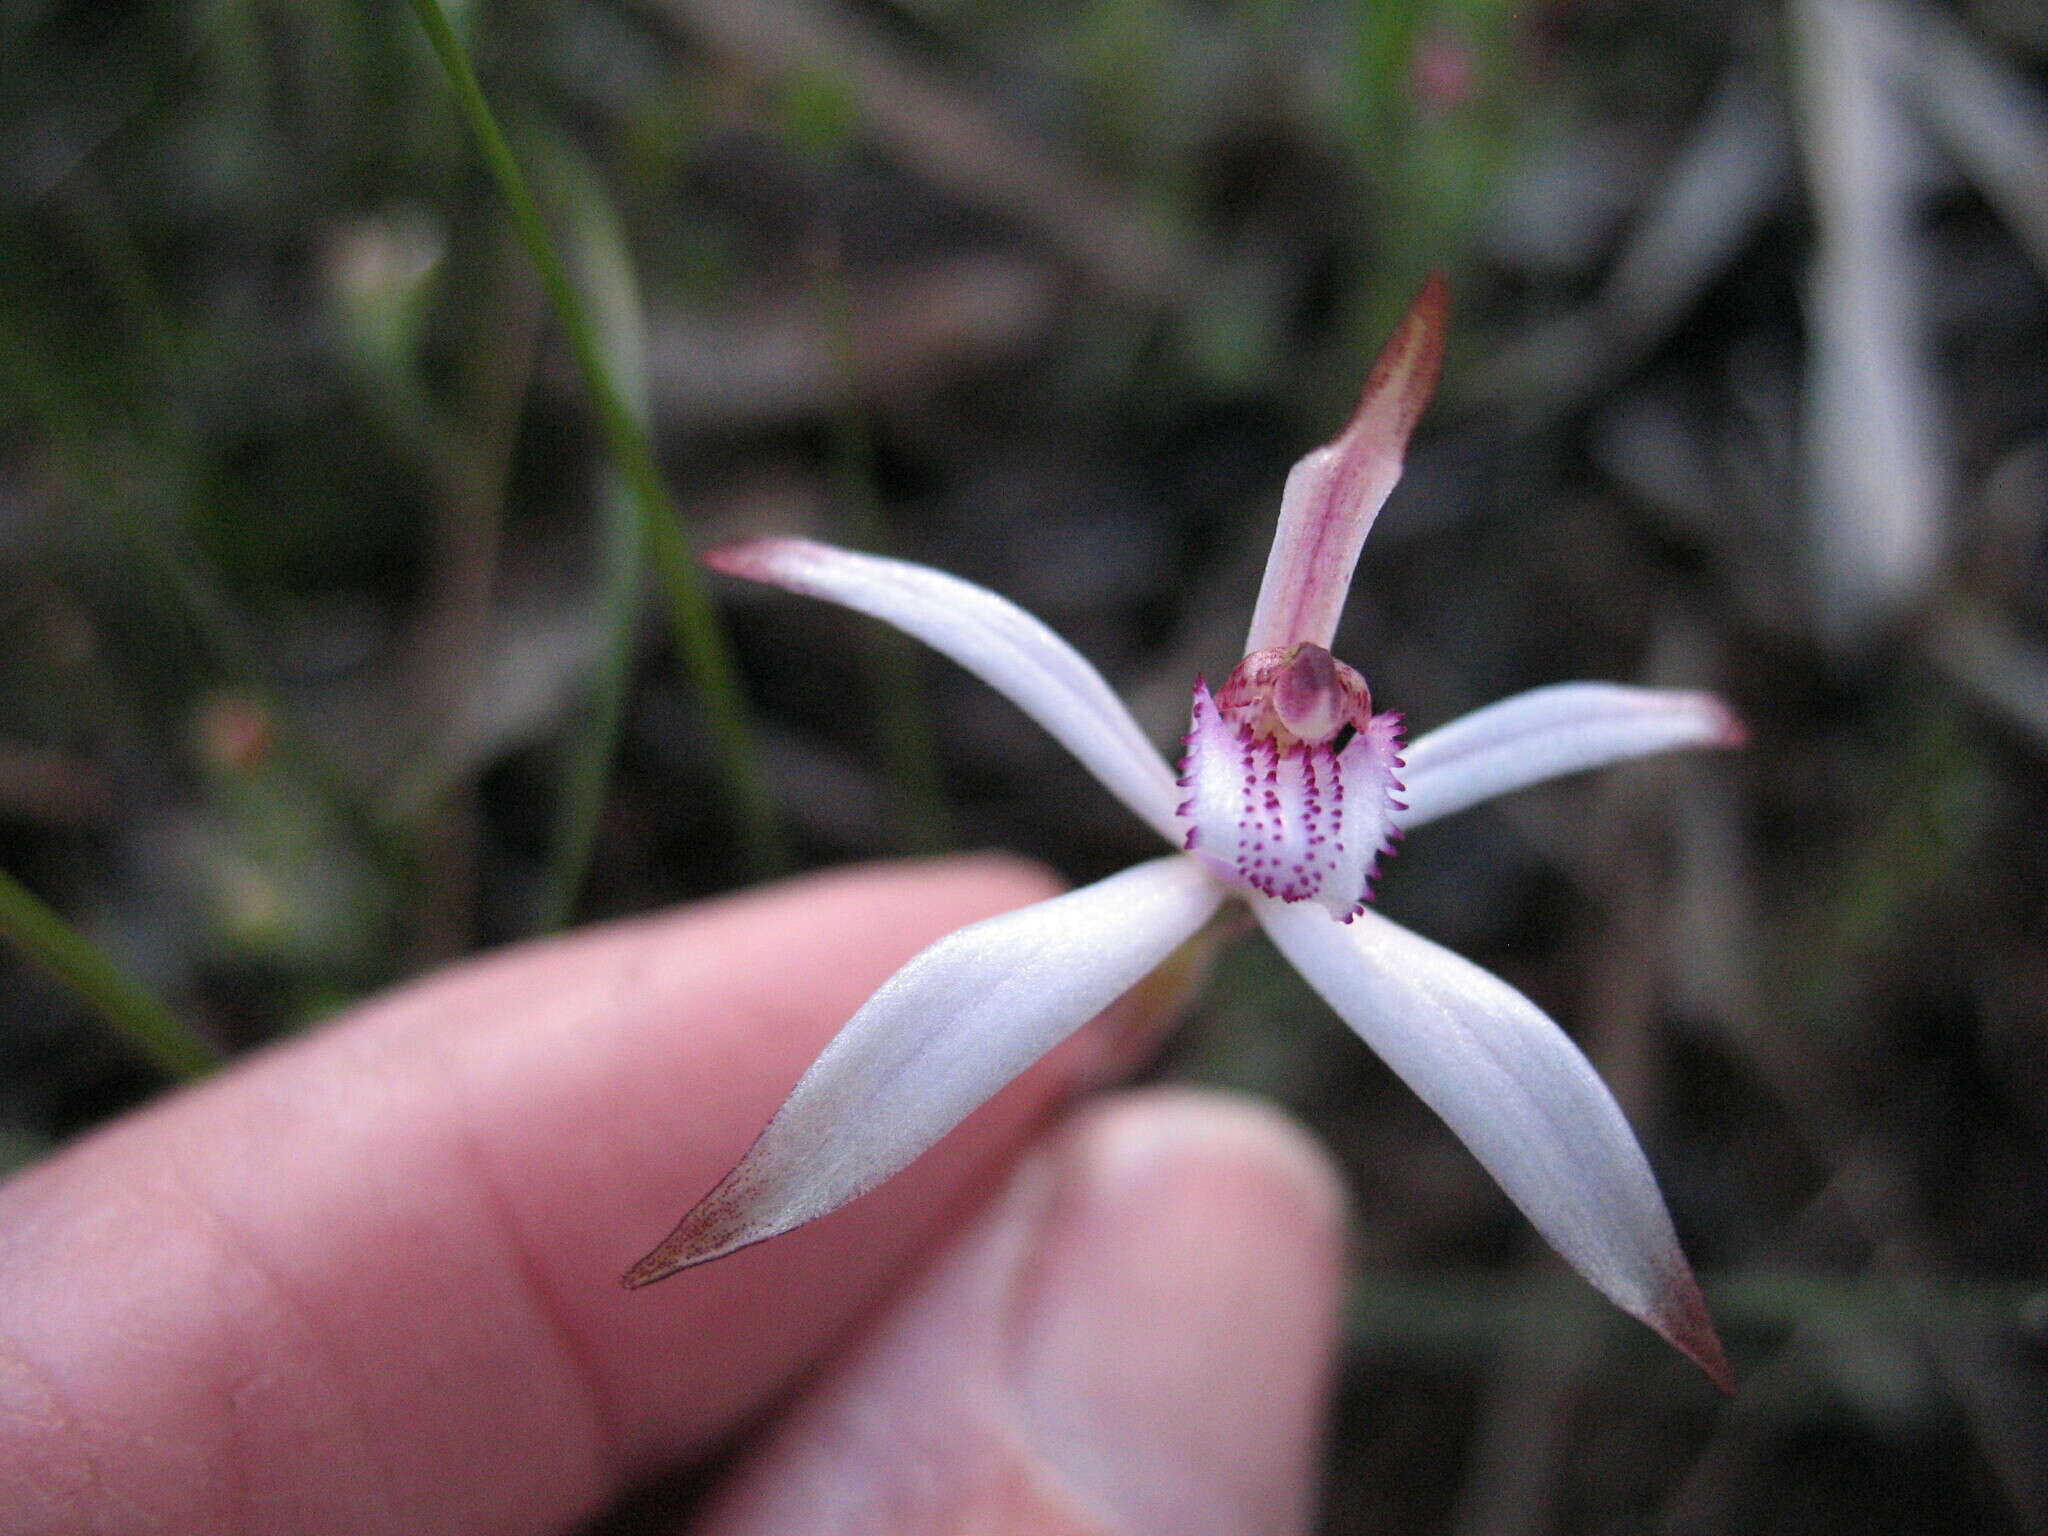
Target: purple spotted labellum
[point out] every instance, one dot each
(1291, 779)
(1292, 789)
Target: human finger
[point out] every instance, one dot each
(1134, 1337)
(368, 1281)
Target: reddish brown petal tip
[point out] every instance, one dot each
(1406, 372)
(1686, 1326)
(710, 1230)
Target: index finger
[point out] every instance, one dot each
(368, 1281)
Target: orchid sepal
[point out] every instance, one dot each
(935, 1042)
(1522, 1097)
(1546, 733)
(1007, 648)
(1335, 493)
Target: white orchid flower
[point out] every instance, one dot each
(1291, 790)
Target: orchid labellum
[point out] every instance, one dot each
(1292, 787)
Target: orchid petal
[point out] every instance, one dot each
(939, 1038)
(991, 637)
(1547, 732)
(1334, 494)
(1521, 1096)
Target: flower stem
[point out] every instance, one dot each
(698, 633)
(46, 940)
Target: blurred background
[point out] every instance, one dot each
(331, 648)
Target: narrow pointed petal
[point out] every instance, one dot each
(939, 1038)
(1334, 494)
(1520, 1094)
(991, 637)
(1548, 732)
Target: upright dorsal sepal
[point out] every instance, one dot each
(1334, 494)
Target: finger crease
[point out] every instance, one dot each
(234, 1247)
(606, 1441)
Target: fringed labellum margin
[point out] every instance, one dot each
(1291, 780)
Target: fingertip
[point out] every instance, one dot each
(1137, 1335)
(1174, 1346)
(1218, 1146)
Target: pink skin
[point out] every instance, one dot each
(367, 1281)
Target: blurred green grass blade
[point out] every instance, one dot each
(1376, 68)
(47, 941)
(894, 684)
(1430, 155)
(594, 745)
(76, 436)
(698, 632)
(608, 275)
(176, 577)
